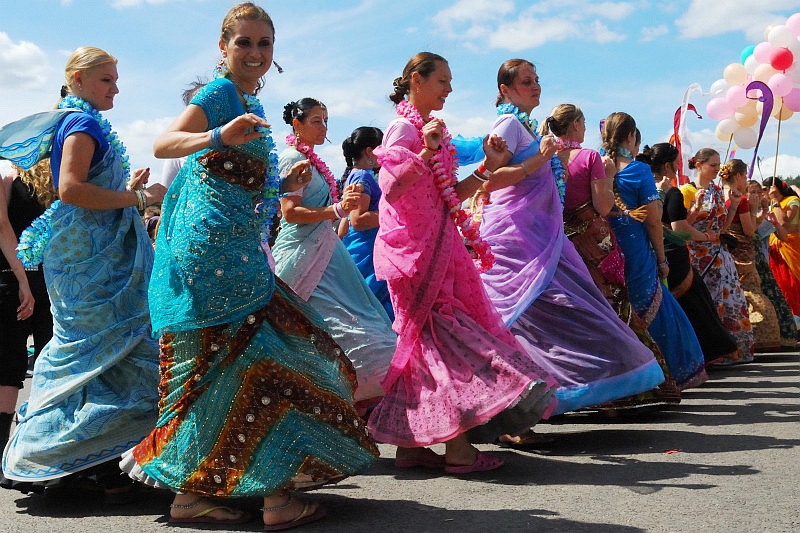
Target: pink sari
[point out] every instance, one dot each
(456, 366)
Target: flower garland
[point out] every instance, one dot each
(322, 168)
(268, 205)
(568, 144)
(533, 126)
(73, 102)
(446, 181)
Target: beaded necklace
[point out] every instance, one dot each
(446, 181)
(532, 125)
(73, 102)
(308, 151)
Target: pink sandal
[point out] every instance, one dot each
(426, 458)
(483, 463)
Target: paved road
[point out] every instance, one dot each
(726, 459)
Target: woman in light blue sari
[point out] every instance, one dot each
(636, 221)
(311, 259)
(94, 392)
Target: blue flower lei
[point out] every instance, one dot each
(268, 205)
(73, 102)
(533, 126)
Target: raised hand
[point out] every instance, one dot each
(242, 129)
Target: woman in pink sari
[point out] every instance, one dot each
(457, 367)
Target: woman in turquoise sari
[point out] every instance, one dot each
(636, 222)
(256, 399)
(311, 259)
(94, 391)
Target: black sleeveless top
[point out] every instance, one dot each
(22, 210)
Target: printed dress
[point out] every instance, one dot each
(255, 396)
(718, 270)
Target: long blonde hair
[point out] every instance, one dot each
(81, 60)
(39, 178)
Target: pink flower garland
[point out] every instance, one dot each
(320, 165)
(444, 173)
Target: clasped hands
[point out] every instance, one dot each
(154, 193)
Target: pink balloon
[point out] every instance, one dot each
(763, 51)
(781, 59)
(793, 23)
(780, 84)
(792, 100)
(718, 109)
(736, 97)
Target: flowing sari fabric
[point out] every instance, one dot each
(312, 260)
(544, 292)
(456, 367)
(255, 395)
(667, 322)
(784, 259)
(94, 390)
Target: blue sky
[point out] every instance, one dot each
(635, 56)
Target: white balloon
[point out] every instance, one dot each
(764, 73)
(780, 36)
(745, 138)
(719, 88)
(727, 126)
(751, 64)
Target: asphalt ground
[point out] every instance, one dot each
(725, 459)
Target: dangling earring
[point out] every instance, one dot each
(370, 161)
(222, 68)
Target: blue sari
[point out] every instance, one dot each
(94, 392)
(360, 243)
(666, 320)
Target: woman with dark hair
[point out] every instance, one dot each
(588, 199)
(539, 284)
(313, 261)
(256, 398)
(457, 369)
(683, 280)
(741, 225)
(713, 261)
(636, 221)
(362, 223)
(766, 226)
(784, 244)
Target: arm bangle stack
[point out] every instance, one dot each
(480, 177)
(339, 211)
(141, 201)
(216, 140)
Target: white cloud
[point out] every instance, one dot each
(23, 65)
(122, 4)
(706, 19)
(138, 137)
(651, 33)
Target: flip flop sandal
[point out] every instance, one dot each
(483, 463)
(305, 517)
(426, 459)
(203, 516)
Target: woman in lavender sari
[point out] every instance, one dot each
(539, 283)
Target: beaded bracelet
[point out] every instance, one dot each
(339, 211)
(216, 140)
(479, 177)
(141, 201)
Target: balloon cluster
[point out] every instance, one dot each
(775, 62)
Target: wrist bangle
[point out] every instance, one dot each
(478, 176)
(663, 263)
(483, 171)
(215, 141)
(431, 149)
(141, 201)
(339, 211)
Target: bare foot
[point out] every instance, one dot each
(283, 508)
(459, 451)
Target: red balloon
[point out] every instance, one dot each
(781, 58)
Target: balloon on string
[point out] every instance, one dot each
(736, 96)
(780, 36)
(793, 23)
(781, 58)
(767, 30)
(718, 109)
(751, 64)
(746, 116)
(792, 100)
(764, 72)
(763, 51)
(747, 52)
(735, 74)
(745, 138)
(784, 114)
(776, 107)
(719, 88)
(726, 127)
(780, 84)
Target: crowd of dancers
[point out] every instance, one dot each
(302, 318)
